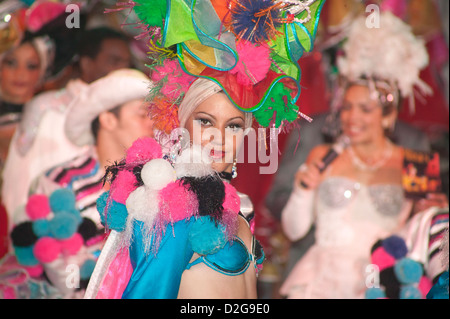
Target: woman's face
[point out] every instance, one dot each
(361, 117)
(20, 74)
(218, 126)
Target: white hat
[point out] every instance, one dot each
(104, 94)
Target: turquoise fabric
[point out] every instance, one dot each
(232, 260)
(440, 289)
(159, 277)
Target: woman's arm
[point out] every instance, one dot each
(298, 215)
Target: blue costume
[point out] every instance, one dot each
(159, 276)
(159, 227)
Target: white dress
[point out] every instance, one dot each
(350, 217)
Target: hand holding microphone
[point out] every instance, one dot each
(309, 176)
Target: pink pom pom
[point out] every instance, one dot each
(72, 245)
(232, 202)
(253, 64)
(177, 202)
(38, 206)
(122, 186)
(425, 285)
(382, 259)
(177, 81)
(46, 249)
(34, 271)
(168, 67)
(143, 150)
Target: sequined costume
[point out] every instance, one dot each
(350, 217)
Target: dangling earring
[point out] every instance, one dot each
(234, 170)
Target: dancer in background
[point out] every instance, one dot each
(106, 118)
(359, 197)
(40, 141)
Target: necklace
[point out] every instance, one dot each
(358, 162)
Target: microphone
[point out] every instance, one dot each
(336, 149)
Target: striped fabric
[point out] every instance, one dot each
(83, 175)
(438, 227)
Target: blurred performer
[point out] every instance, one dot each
(107, 117)
(358, 198)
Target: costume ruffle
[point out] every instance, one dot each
(249, 48)
(159, 211)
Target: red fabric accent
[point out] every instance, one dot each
(431, 112)
(4, 241)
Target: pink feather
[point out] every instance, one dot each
(177, 202)
(127, 182)
(254, 62)
(143, 149)
(232, 202)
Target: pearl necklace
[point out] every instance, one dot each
(358, 162)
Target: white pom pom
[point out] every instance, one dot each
(157, 173)
(192, 162)
(143, 204)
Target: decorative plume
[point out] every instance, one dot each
(255, 20)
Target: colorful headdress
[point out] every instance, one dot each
(250, 48)
(388, 53)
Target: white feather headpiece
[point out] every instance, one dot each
(389, 52)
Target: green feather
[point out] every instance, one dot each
(151, 12)
(277, 107)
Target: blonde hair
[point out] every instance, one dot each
(199, 91)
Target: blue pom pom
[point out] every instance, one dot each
(25, 256)
(410, 292)
(101, 203)
(63, 225)
(408, 271)
(395, 246)
(375, 293)
(87, 268)
(205, 237)
(62, 200)
(41, 227)
(116, 217)
(76, 213)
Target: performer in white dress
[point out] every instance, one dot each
(359, 197)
